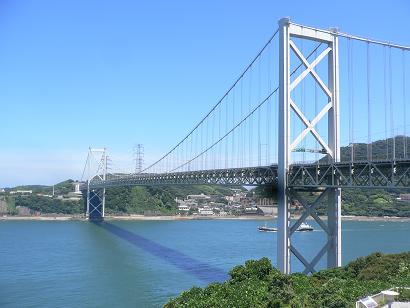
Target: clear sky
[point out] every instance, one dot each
(77, 73)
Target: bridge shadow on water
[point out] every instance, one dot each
(201, 270)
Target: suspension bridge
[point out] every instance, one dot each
(315, 111)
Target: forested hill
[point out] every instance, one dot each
(59, 189)
(155, 199)
(149, 200)
(381, 149)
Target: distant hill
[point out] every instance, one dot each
(161, 199)
(61, 188)
(156, 199)
(381, 149)
(151, 200)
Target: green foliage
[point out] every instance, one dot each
(155, 200)
(62, 188)
(49, 205)
(404, 295)
(258, 284)
(11, 206)
(150, 200)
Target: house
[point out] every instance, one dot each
(205, 211)
(21, 192)
(183, 208)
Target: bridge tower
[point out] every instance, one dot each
(95, 169)
(288, 31)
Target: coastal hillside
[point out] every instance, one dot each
(148, 200)
(259, 284)
(160, 200)
(156, 200)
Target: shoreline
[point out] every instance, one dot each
(180, 218)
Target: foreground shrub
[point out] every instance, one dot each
(258, 284)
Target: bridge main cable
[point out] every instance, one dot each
(246, 117)
(217, 104)
(357, 38)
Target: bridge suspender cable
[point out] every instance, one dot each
(218, 103)
(259, 114)
(404, 105)
(391, 107)
(269, 112)
(250, 144)
(350, 96)
(369, 114)
(245, 118)
(316, 111)
(385, 101)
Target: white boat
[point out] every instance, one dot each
(304, 227)
(267, 229)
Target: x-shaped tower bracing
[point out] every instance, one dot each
(96, 167)
(332, 247)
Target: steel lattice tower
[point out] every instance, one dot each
(139, 157)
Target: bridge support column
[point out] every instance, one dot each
(95, 204)
(330, 198)
(96, 168)
(334, 237)
(327, 48)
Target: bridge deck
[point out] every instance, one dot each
(358, 174)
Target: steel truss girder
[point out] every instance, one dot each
(253, 176)
(361, 174)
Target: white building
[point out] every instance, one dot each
(251, 210)
(237, 196)
(21, 192)
(183, 208)
(205, 211)
(77, 190)
(198, 197)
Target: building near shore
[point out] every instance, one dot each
(252, 210)
(183, 208)
(205, 211)
(21, 192)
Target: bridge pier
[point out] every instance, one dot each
(95, 204)
(287, 192)
(329, 197)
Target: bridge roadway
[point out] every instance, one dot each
(346, 174)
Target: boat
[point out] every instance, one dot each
(265, 228)
(304, 227)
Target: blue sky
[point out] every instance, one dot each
(76, 73)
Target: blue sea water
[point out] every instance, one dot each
(144, 263)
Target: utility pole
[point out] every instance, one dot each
(139, 157)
